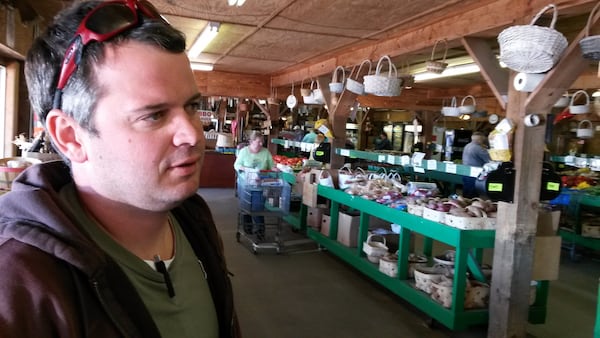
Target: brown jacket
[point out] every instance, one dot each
(56, 282)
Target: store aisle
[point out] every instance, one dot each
(310, 293)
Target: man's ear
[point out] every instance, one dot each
(66, 135)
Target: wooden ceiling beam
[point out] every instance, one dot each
(417, 38)
(496, 77)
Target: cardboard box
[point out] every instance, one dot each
(547, 247)
(348, 229)
(546, 258)
(314, 216)
(325, 224)
(547, 223)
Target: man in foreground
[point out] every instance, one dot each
(114, 241)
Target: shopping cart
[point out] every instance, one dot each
(264, 198)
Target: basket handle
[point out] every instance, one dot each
(587, 122)
(462, 103)
(577, 94)
(593, 14)
(453, 102)
(544, 10)
(374, 235)
(445, 50)
(360, 67)
(334, 78)
(391, 66)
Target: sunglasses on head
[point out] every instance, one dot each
(102, 23)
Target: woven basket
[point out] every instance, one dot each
(354, 85)
(476, 294)
(579, 108)
(426, 276)
(305, 91)
(337, 86)
(530, 48)
(590, 45)
(382, 85)
(452, 109)
(467, 108)
(374, 250)
(408, 80)
(437, 67)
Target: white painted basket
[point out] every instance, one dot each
(426, 276)
(434, 215)
(383, 85)
(531, 48)
(373, 249)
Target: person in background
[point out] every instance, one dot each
(383, 143)
(310, 137)
(299, 133)
(254, 157)
(475, 155)
(114, 240)
(419, 146)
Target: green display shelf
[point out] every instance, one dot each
(467, 243)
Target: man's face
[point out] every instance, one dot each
(150, 147)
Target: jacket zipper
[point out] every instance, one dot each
(105, 306)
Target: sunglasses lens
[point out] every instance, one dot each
(110, 18)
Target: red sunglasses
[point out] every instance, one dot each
(100, 24)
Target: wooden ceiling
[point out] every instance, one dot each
(290, 40)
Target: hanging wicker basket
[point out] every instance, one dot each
(437, 67)
(337, 82)
(383, 85)
(580, 108)
(452, 109)
(590, 45)
(353, 84)
(531, 48)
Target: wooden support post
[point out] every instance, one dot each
(515, 231)
(273, 113)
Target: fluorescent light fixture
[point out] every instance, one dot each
(208, 34)
(236, 2)
(468, 68)
(596, 93)
(206, 67)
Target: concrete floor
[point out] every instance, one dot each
(304, 292)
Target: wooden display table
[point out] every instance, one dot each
(217, 171)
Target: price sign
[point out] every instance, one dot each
(451, 168)
(496, 187)
(432, 165)
(391, 159)
(419, 170)
(553, 186)
(381, 158)
(345, 152)
(475, 171)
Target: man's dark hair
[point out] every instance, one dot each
(44, 59)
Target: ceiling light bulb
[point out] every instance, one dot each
(206, 67)
(208, 34)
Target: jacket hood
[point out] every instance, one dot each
(33, 213)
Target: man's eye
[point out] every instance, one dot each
(154, 116)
